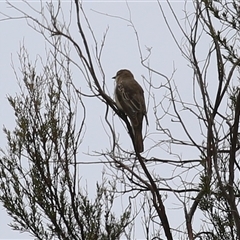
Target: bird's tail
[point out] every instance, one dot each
(138, 140)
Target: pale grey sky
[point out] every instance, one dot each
(120, 51)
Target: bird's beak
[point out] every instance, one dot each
(114, 77)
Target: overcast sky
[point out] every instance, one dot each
(120, 51)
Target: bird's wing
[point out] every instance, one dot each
(132, 95)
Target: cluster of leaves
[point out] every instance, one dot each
(39, 170)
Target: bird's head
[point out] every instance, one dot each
(123, 73)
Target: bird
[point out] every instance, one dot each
(129, 98)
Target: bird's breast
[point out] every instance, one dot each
(117, 100)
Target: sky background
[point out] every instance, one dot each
(120, 51)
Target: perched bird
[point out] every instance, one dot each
(129, 98)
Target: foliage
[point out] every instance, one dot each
(40, 185)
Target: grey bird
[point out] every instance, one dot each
(129, 97)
